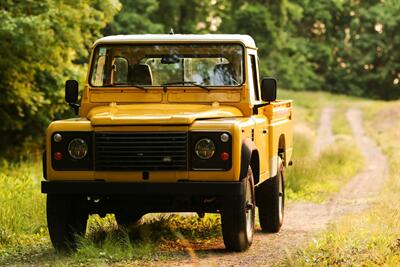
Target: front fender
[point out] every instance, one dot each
(248, 149)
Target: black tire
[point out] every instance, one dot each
(271, 202)
(128, 219)
(238, 216)
(66, 219)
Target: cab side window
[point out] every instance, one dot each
(255, 77)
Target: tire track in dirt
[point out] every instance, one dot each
(302, 219)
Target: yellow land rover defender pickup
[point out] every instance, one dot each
(170, 123)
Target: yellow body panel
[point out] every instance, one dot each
(201, 97)
(179, 110)
(164, 114)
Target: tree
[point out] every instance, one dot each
(282, 51)
(42, 45)
(135, 17)
(353, 45)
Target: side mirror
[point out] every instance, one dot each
(71, 94)
(268, 89)
(71, 91)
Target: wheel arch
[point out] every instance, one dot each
(250, 157)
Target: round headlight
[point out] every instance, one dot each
(205, 148)
(77, 148)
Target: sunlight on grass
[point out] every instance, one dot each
(22, 206)
(370, 238)
(159, 237)
(315, 179)
(155, 239)
(310, 103)
(340, 126)
(24, 236)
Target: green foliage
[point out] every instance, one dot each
(152, 16)
(135, 17)
(348, 47)
(355, 45)
(283, 53)
(42, 45)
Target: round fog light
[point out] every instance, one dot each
(224, 137)
(77, 148)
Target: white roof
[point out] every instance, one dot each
(246, 40)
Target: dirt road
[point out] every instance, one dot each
(303, 220)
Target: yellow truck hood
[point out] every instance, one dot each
(134, 114)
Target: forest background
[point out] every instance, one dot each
(341, 46)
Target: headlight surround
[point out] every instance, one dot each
(77, 148)
(208, 152)
(72, 158)
(205, 148)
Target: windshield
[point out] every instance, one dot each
(161, 65)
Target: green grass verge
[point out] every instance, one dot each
(22, 207)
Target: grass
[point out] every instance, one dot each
(372, 237)
(307, 105)
(160, 237)
(316, 178)
(340, 126)
(24, 236)
(22, 207)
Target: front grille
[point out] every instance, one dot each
(141, 151)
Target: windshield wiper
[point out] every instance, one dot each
(187, 82)
(138, 86)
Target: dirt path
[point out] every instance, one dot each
(303, 220)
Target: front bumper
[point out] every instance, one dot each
(213, 189)
(112, 197)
